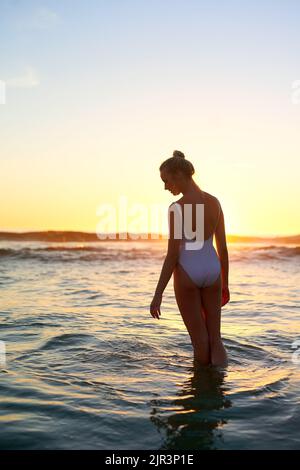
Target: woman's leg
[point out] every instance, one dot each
(188, 299)
(211, 302)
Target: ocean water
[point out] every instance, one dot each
(87, 367)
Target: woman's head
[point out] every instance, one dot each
(176, 172)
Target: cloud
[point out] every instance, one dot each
(42, 18)
(30, 79)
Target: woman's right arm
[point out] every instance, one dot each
(223, 255)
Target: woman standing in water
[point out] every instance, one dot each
(200, 275)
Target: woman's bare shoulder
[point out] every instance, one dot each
(179, 201)
(211, 197)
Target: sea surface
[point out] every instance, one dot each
(87, 367)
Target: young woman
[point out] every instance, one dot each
(200, 275)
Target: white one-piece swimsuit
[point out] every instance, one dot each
(201, 265)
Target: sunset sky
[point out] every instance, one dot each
(99, 93)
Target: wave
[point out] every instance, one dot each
(107, 253)
(65, 340)
(269, 252)
(70, 254)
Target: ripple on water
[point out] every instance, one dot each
(66, 340)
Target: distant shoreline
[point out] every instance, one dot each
(74, 236)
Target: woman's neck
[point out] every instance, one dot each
(190, 188)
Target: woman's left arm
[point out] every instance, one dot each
(167, 269)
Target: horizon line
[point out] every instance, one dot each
(159, 234)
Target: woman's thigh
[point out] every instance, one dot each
(211, 302)
(188, 299)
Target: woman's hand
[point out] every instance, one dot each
(155, 306)
(225, 295)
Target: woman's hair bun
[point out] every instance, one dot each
(179, 154)
(178, 163)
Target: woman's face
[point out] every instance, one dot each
(172, 182)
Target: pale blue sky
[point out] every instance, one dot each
(100, 92)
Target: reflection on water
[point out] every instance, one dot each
(196, 420)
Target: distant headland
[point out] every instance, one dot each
(75, 236)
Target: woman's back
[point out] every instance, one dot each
(212, 211)
(200, 260)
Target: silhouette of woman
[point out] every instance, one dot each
(200, 276)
